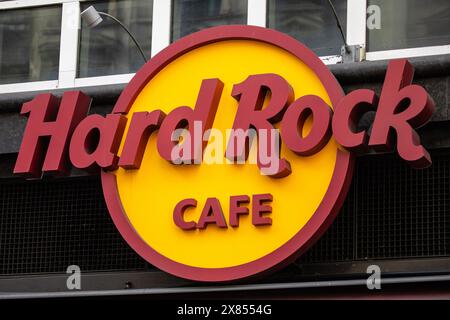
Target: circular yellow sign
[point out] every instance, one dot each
(304, 202)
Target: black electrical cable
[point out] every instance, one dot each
(129, 33)
(338, 22)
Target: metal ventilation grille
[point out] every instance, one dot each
(392, 211)
(402, 212)
(45, 226)
(337, 244)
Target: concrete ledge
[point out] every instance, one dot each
(371, 71)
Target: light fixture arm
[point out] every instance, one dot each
(128, 31)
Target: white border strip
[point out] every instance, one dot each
(257, 13)
(407, 53)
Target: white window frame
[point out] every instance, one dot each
(161, 37)
(357, 15)
(69, 46)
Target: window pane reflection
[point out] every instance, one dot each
(107, 49)
(311, 22)
(409, 24)
(193, 15)
(29, 40)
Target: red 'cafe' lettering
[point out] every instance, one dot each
(401, 108)
(290, 97)
(212, 212)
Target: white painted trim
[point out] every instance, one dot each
(103, 80)
(53, 84)
(16, 4)
(407, 53)
(162, 19)
(257, 13)
(331, 59)
(68, 53)
(28, 86)
(356, 22)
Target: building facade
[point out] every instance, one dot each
(395, 219)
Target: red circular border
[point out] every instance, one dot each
(321, 219)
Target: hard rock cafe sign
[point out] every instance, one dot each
(230, 152)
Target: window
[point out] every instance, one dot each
(193, 15)
(311, 22)
(107, 49)
(29, 44)
(42, 46)
(410, 24)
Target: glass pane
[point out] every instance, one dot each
(410, 24)
(107, 49)
(193, 15)
(311, 22)
(29, 40)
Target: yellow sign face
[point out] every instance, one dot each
(301, 204)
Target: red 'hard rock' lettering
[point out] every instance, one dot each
(251, 95)
(94, 140)
(402, 107)
(52, 124)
